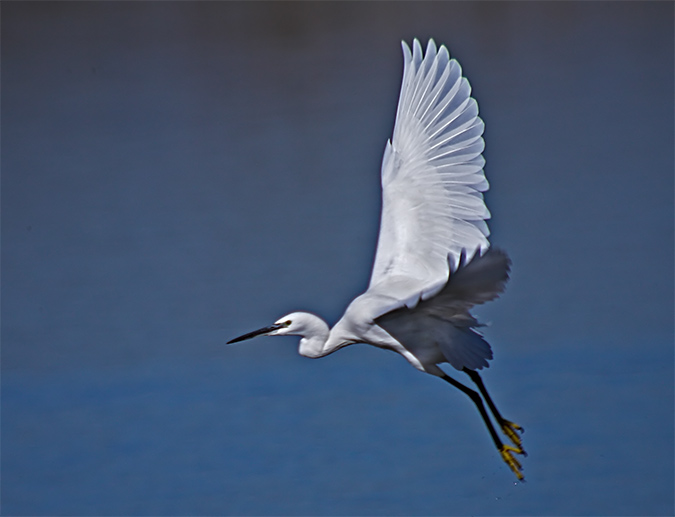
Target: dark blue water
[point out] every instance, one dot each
(176, 174)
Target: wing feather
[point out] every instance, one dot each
(432, 178)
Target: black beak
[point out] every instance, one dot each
(259, 332)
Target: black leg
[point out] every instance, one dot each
(506, 451)
(507, 426)
(479, 404)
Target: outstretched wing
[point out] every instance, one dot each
(432, 180)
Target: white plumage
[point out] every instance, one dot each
(432, 262)
(432, 175)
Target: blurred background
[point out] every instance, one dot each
(175, 174)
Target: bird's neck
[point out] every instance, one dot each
(314, 337)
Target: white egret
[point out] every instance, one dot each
(433, 261)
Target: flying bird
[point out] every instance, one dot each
(433, 261)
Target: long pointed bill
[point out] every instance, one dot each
(259, 332)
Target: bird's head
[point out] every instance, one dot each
(286, 325)
(294, 324)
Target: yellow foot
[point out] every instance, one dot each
(511, 430)
(507, 455)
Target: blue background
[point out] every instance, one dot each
(177, 174)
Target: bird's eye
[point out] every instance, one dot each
(287, 323)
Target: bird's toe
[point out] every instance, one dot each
(507, 455)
